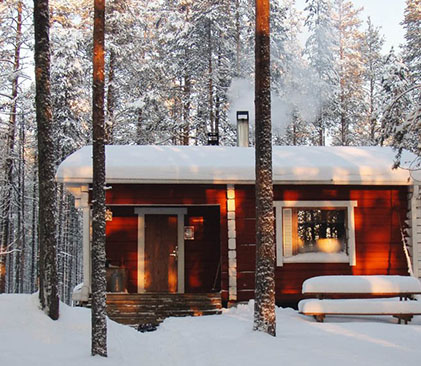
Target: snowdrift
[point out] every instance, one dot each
(28, 337)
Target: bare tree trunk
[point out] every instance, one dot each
(73, 249)
(186, 110)
(210, 72)
(99, 319)
(237, 36)
(46, 164)
(139, 132)
(372, 122)
(60, 241)
(21, 235)
(264, 310)
(109, 126)
(34, 246)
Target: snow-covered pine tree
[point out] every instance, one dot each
(396, 129)
(138, 73)
(297, 132)
(280, 58)
(371, 50)
(320, 52)
(70, 70)
(71, 41)
(99, 318)
(126, 63)
(412, 46)
(296, 85)
(264, 309)
(350, 71)
(46, 164)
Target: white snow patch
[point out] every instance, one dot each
(360, 306)
(29, 337)
(362, 284)
(317, 258)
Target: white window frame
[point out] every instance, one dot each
(350, 229)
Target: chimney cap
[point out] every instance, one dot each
(242, 115)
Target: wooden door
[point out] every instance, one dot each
(160, 253)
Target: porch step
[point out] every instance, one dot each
(153, 308)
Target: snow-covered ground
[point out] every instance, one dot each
(28, 337)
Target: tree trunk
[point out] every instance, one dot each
(60, 240)
(21, 235)
(46, 163)
(264, 310)
(34, 246)
(139, 133)
(109, 126)
(210, 76)
(237, 37)
(99, 320)
(186, 110)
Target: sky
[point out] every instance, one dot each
(388, 14)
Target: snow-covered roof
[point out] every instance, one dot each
(236, 165)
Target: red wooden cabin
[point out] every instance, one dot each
(183, 217)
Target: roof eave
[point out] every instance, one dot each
(83, 181)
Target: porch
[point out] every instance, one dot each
(154, 307)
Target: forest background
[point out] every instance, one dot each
(177, 71)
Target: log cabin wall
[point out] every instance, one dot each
(380, 213)
(378, 218)
(206, 268)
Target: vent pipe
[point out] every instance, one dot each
(243, 128)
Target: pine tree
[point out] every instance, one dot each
(46, 164)
(264, 310)
(350, 70)
(320, 52)
(396, 129)
(297, 95)
(412, 47)
(70, 70)
(99, 319)
(373, 62)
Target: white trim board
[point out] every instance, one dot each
(415, 204)
(349, 205)
(141, 212)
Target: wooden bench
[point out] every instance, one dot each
(354, 295)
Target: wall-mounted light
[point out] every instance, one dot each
(108, 215)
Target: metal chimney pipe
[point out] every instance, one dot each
(243, 128)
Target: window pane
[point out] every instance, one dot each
(318, 230)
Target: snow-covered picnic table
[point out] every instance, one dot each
(347, 291)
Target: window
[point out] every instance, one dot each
(315, 231)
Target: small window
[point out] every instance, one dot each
(315, 231)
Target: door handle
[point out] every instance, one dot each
(174, 253)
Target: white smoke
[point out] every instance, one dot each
(300, 95)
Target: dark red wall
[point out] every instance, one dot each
(121, 243)
(380, 212)
(210, 252)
